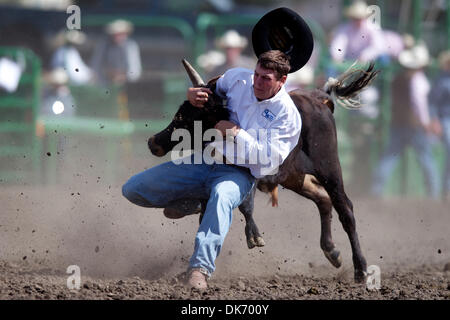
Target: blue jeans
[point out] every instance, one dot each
(446, 135)
(399, 139)
(225, 186)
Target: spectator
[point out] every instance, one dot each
(357, 39)
(440, 102)
(232, 44)
(68, 57)
(411, 122)
(117, 60)
(57, 99)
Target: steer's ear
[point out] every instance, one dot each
(197, 81)
(213, 81)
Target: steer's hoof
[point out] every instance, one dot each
(251, 243)
(260, 242)
(255, 242)
(334, 256)
(360, 276)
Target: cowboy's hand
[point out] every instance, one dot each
(198, 96)
(223, 126)
(436, 128)
(433, 128)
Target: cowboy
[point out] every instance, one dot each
(411, 123)
(232, 44)
(57, 98)
(68, 57)
(257, 102)
(358, 39)
(117, 60)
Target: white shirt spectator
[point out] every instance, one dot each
(68, 58)
(420, 88)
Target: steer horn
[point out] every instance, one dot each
(197, 81)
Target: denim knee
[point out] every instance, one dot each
(129, 191)
(227, 194)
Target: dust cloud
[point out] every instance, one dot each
(78, 216)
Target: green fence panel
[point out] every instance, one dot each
(19, 146)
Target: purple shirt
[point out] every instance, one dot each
(352, 43)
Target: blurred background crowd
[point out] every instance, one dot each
(120, 77)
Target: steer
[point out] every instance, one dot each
(312, 169)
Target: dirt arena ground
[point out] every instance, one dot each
(127, 252)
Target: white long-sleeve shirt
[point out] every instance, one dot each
(270, 129)
(420, 88)
(69, 58)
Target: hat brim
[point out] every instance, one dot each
(284, 30)
(410, 62)
(415, 58)
(357, 15)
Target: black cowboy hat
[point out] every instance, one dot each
(283, 29)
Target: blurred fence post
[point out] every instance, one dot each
(417, 19)
(447, 7)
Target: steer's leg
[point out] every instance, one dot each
(327, 169)
(252, 234)
(332, 182)
(314, 191)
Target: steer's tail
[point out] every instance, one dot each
(345, 90)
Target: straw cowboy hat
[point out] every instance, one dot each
(415, 58)
(358, 10)
(211, 60)
(63, 37)
(284, 30)
(75, 37)
(232, 39)
(304, 76)
(119, 26)
(57, 77)
(408, 41)
(444, 60)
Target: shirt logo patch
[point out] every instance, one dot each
(268, 115)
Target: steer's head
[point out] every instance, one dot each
(213, 111)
